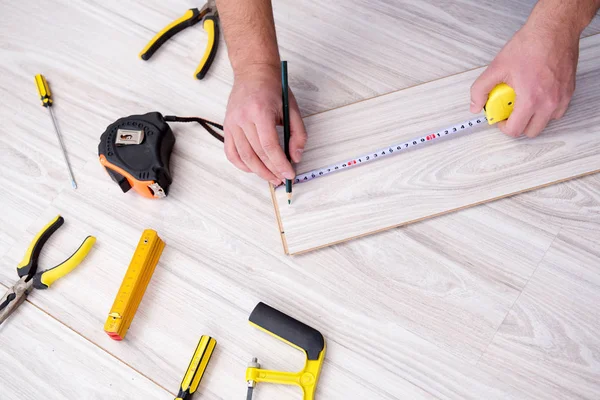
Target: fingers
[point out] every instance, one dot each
(297, 132)
(536, 125)
(249, 157)
(483, 85)
(269, 140)
(232, 153)
(518, 120)
(251, 133)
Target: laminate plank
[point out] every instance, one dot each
(434, 179)
(42, 359)
(549, 341)
(400, 323)
(574, 205)
(346, 51)
(414, 303)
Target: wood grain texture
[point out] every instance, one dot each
(42, 359)
(438, 178)
(402, 320)
(346, 51)
(574, 205)
(550, 337)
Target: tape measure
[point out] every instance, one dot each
(136, 151)
(498, 108)
(134, 284)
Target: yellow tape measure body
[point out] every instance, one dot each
(500, 103)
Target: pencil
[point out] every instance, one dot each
(286, 124)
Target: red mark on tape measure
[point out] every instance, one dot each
(430, 137)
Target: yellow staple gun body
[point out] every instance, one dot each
(296, 334)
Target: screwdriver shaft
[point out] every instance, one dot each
(62, 146)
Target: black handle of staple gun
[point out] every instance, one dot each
(285, 327)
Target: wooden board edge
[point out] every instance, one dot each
(443, 212)
(414, 85)
(279, 221)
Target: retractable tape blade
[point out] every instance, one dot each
(498, 108)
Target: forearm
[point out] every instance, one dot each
(567, 16)
(249, 31)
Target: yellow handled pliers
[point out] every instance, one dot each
(27, 269)
(210, 17)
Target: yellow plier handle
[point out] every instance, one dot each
(211, 26)
(28, 266)
(43, 280)
(192, 16)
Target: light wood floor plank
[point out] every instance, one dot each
(401, 323)
(346, 51)
(436, 178)
(42, 359)
(574, 205)
(549, 341)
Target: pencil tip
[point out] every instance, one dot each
(289, 202)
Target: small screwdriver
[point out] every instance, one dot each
(46, 98)
(195, 371)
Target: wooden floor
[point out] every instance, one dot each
(494, 302)
(446, 175)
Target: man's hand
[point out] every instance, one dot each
(539, 63)
(253, 112)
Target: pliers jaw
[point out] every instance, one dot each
(14, 297)
(208, 10)
(30, 278)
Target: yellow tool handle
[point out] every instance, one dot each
(29, 263)
(43, 90)
(500, 103)
(191, 17)
(296, 334)
(211, 26)
(195, 371)
(43, 280)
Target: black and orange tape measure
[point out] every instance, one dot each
(136, 151)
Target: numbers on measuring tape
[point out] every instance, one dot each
(307, 176)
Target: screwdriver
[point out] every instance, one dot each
(46, 98)
(195, 371)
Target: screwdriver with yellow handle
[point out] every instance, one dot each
(46, 98)
(195, 371)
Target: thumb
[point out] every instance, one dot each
(297, 132)
(482, 87)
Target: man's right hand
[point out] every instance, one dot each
(253, 112)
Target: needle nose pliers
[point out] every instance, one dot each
(27, 269)
(210, 17)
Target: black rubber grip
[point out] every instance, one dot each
(213, 52)
(30, 268)
(172, 32)
(307, 338)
